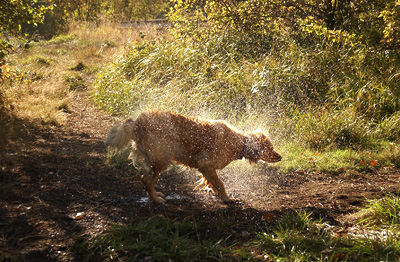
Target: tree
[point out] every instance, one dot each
(391, 18)
(13, 13)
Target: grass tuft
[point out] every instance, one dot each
(381, 212)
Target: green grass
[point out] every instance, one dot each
(338, 161)
(297, 238)
(61, 39)
(381, 212)
(156, 239)
(294, 236)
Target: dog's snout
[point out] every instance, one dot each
(279, 158)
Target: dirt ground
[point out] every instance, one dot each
(55, 188)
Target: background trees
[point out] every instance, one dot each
(50, 17)
(14, 13)
(375, 22)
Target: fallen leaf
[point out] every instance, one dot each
(310, 160)
(269, 217)
(341, 169)
(337, 257)
(363, 162)
(79, 215)
(374, 162)
(316, 154)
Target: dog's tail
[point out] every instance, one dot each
(121, 134)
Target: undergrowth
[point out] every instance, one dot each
(319, 98)
(381, 212)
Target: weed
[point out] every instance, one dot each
(298, 238)
(290, 94)
(64, 107)
(75, 82)
(295, 237)
(39, 60)
(377, 247)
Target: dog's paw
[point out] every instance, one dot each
(159, 200)
(205, 186)
(158, 197)
(160, 194)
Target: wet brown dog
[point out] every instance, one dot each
(164, 137)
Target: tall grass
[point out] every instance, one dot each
(320, 97)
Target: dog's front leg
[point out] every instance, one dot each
(149, 181)
(216, 183)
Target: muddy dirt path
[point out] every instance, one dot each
(55, 188)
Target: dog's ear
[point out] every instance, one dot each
(121, 134)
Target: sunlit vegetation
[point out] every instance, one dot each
(37, 83)
(316, 90)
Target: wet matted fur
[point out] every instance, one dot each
(161, 138)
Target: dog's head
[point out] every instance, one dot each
(260, 148)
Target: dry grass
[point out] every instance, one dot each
(41, 101)
(42, 79)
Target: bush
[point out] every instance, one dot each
(320, 89)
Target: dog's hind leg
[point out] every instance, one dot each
(149, 181)
(215, 183)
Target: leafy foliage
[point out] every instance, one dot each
(15, 12)
(341, 18)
